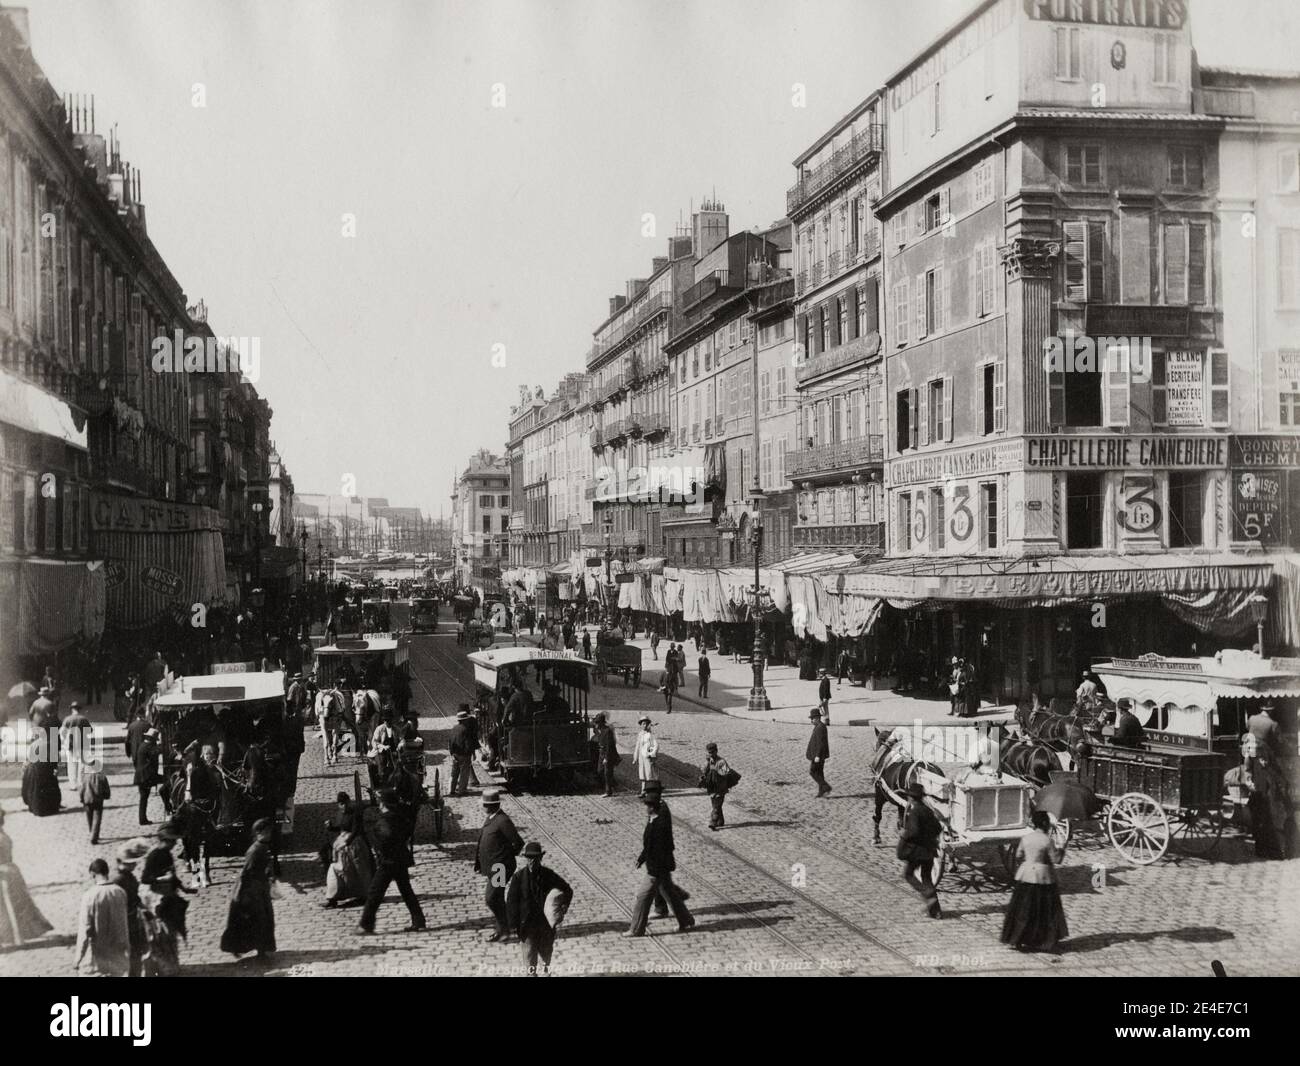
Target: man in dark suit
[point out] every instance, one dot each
(460, 746)
(1128, 730)
(393, 858)
(145, 761)
(824, 696)
(704, 670)
(526, 908)
(918, 847)
(498, 844)
(607, 756)
(819, 750)
(657, 858)
(135, 733)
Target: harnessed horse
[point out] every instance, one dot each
(894, 769)
(332, 709)
(1049, 740)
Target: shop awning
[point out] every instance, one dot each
(816, 563)
(1285, 617)
(28, 407)
(47, 605)
(1246, 692)
(1051, 580)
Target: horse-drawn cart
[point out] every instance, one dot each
(615, 656)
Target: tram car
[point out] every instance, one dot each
(424, 614)
(532, 713)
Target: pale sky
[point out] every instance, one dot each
(475, 226)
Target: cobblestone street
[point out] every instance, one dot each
(791, 885)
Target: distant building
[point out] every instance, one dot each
(481, 518)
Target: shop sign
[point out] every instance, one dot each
(122, 514)
(161, 580)
(1144, 14)
(966, 462)
(1257, 506)
(1265, 451)
(1127, 453)
(114, 573)
(1184, 388)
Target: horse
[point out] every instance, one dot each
(894, 770)
(332, 709)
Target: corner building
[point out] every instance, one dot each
(1061, 403)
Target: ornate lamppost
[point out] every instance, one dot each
(1258, 605)
(758, 701)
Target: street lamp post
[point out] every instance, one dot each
(1258, 605)
(257, 545)
(758, 701)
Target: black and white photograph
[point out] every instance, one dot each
(559, 488)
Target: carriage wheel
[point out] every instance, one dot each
(1061, 832)
(1007, 853)
(1197, 831)
(636, 676)
(940, 864)
(1139, 828)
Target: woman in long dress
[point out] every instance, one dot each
(351, 866)
(250, 924)
(647, 749)
(1035, 919)
(20, 921)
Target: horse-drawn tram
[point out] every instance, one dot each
(240, 714)
(532, 712)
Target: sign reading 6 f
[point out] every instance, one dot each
(1141, 512)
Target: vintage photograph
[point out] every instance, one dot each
(704, 488)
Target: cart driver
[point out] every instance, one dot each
(519, 706)
(986, 756)
(1128, 730)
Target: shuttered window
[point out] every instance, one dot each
(1135, 259)
(999, 396)
(1198, 288)
(1076, 261)
(1116, 373)
(1056, 397)
(1175, 263)
(946, 413)
(1218, 391)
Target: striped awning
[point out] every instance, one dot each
(47, 605)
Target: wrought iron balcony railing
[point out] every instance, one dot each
(835, 458)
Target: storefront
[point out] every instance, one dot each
(162, 559)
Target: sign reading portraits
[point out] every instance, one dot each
(1146, 14)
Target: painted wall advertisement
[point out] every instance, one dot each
(1258, 501)
(1184, 388)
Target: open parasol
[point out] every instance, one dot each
(23, 688)
(1067, 799)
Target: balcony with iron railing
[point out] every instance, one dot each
(839, 357)
(616, 431)
(597, 439)
(867, 144)
(717, 282)
(654, 425)
(866, 537)
(841, 457)
(771, 295)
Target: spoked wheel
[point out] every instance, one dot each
(940, 864)
(1139, 828)
(1197, 831)
(1061, 832)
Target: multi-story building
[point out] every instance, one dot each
(481, 518)
(629, 414)
(836, 461)
(95, 438)
(772, 318)
(1061, 400)
(711, 366)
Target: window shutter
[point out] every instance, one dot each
(923, 416)
(872, 298)
(1000, 396)
(913, 426)
(1056, 397)
(979, 397)
(1197, 288)
(1175, 263)
(940, 299)
(1217, 372)
(1097, 261)
(945, 206)
(1288, 171)
(1076, 261)
(947, 407)
(920, 306)
(1116, 381)
(976, 280)
(1270, 388)
(918, 216)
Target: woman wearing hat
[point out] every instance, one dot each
(647, 750)
(250, 923)
(919, 847)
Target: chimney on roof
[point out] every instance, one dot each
(658, 263)
(616, 304)
(679, 247)
(634, 287)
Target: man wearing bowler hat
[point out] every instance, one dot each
(819, 751)
(460, 746)
(532, 915)
(498, 844)
(918, 847)
(657, 858)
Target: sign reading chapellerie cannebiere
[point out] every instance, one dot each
(1147, 14)
(123, 514)
(1126, 453)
